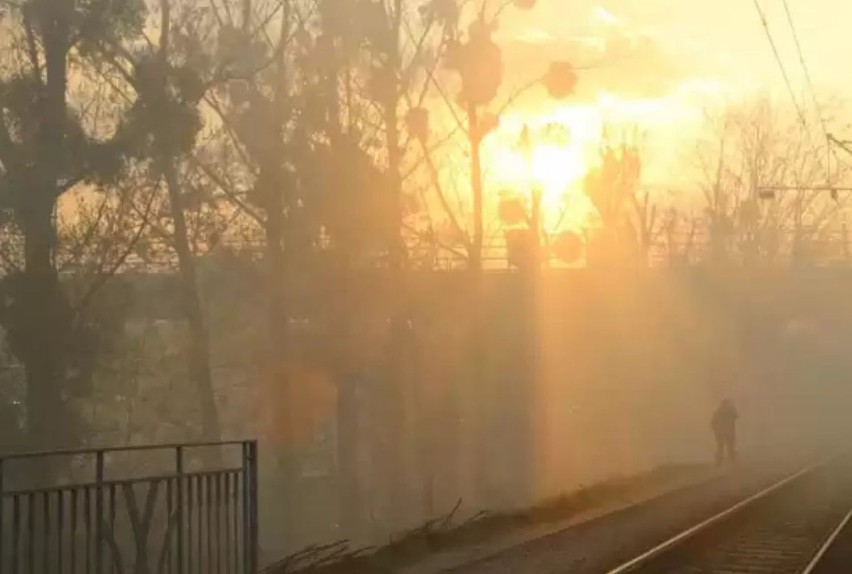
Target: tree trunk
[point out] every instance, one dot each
(199, 337)
(44, 305)
(474, 409)
(278, 319)
(351, 494)
(278, 355)
(348, 372)
(398, 293)
(351, 499)
(530, 419)
(398, 328)
(44, 335)
(476, 187)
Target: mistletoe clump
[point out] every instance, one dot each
(560, 80)
(479, 62)
(165, 114)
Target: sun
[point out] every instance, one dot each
(555, 168)
(552, 169)
(559, 151)
(563, 144)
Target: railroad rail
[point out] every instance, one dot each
(794, 526)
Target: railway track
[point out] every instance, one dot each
(800, 525)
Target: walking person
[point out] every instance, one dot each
(724, 424)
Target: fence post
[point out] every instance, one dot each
(99, 511)
(244, 496)
(179, 470)
(253, 495)
(2, 515)
(249, 507)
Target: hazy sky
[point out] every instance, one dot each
(661, 64)
(724, 36)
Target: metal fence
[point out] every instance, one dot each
(183, 520)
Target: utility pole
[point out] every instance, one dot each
(770, 193)
(767, 193)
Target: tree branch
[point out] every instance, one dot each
(226, 189)
(439, 190)
(103, 278)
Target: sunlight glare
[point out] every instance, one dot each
(564, 148)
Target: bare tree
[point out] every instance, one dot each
(336, 96)
(53, 139)
(166, 80)
(613, 189)
(759, 168)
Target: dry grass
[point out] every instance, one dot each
(446, 532)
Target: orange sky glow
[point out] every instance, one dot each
(659, 66)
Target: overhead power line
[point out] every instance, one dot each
(831, 142)
(777, 54)
(805, 69)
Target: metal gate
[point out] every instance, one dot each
(197, 516)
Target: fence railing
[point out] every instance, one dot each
(195, 514)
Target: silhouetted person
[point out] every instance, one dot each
(724, 425)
